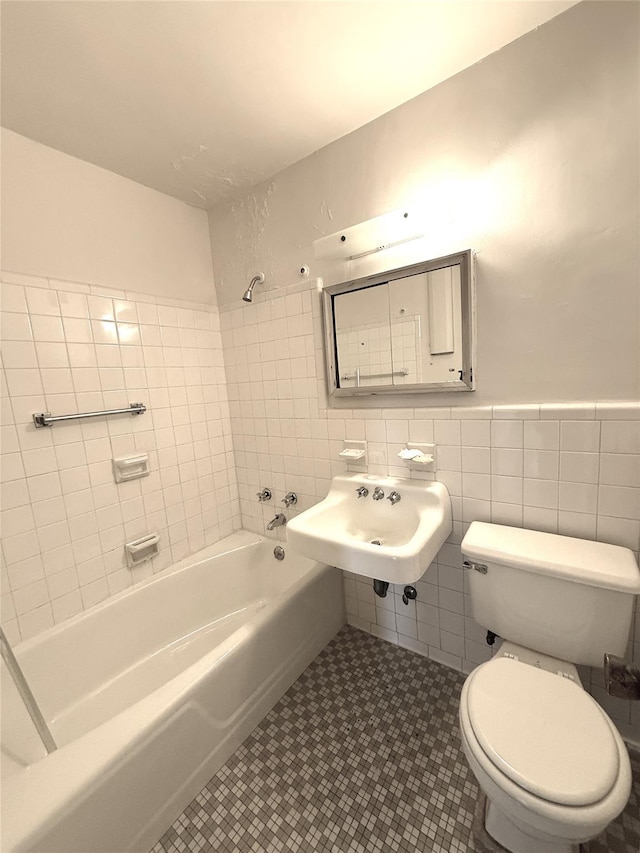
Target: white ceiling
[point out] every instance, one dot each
(202, 98)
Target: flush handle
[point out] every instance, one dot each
(477, 567)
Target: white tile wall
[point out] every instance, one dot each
(571, 469)
(69, 347)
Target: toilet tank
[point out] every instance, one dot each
(568, 598)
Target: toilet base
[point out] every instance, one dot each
(484, 843)
(494, 832)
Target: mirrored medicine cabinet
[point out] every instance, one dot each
(409, 330)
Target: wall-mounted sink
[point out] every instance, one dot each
(389, 539)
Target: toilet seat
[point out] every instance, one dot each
(543, 732)
(535, 815)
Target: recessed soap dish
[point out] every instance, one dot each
(130, 467)
(142, 549)
(418, 456)
(354, 452)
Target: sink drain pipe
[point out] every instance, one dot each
(380, 588)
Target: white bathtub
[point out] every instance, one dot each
(148, 694)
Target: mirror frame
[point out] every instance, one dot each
(467, 294)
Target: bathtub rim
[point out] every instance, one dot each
(236, 541)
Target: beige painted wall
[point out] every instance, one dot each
(67, 219)
(530, 158)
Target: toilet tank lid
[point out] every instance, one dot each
(591, 563)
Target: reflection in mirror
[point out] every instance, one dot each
(426, 326)
(363, 337)
(407, 330)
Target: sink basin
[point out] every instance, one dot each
(377, 539)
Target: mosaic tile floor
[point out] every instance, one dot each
(361, 755)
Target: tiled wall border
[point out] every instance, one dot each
(8, 277)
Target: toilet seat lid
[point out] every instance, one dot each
(543, 731)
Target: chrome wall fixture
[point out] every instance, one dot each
(45, 419)
(248, 294)
(358, 376)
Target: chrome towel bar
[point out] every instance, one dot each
(45, 419)
(357, 375)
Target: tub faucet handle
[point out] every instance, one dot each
(378, 494)
(290, 499)
(264, 495)
(362, 492)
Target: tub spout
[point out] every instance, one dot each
(278, 521)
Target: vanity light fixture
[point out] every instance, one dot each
(374, 235)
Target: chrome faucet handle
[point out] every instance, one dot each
(394, 497)
(264, 495)
(362, 492)
(378, 494)
(290, 499)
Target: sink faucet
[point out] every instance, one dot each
(394, 497)
(362, 492)
(278, 521)
(378, 494)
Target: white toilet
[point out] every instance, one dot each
(553, 767)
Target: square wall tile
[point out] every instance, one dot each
(620, 437)
(579, 467)
(476, 433)
(542, 435)
(507, 434)
(580, 436)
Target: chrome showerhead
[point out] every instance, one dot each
(248, 294)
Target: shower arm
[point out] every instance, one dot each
(26, 695)
(257, 279)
